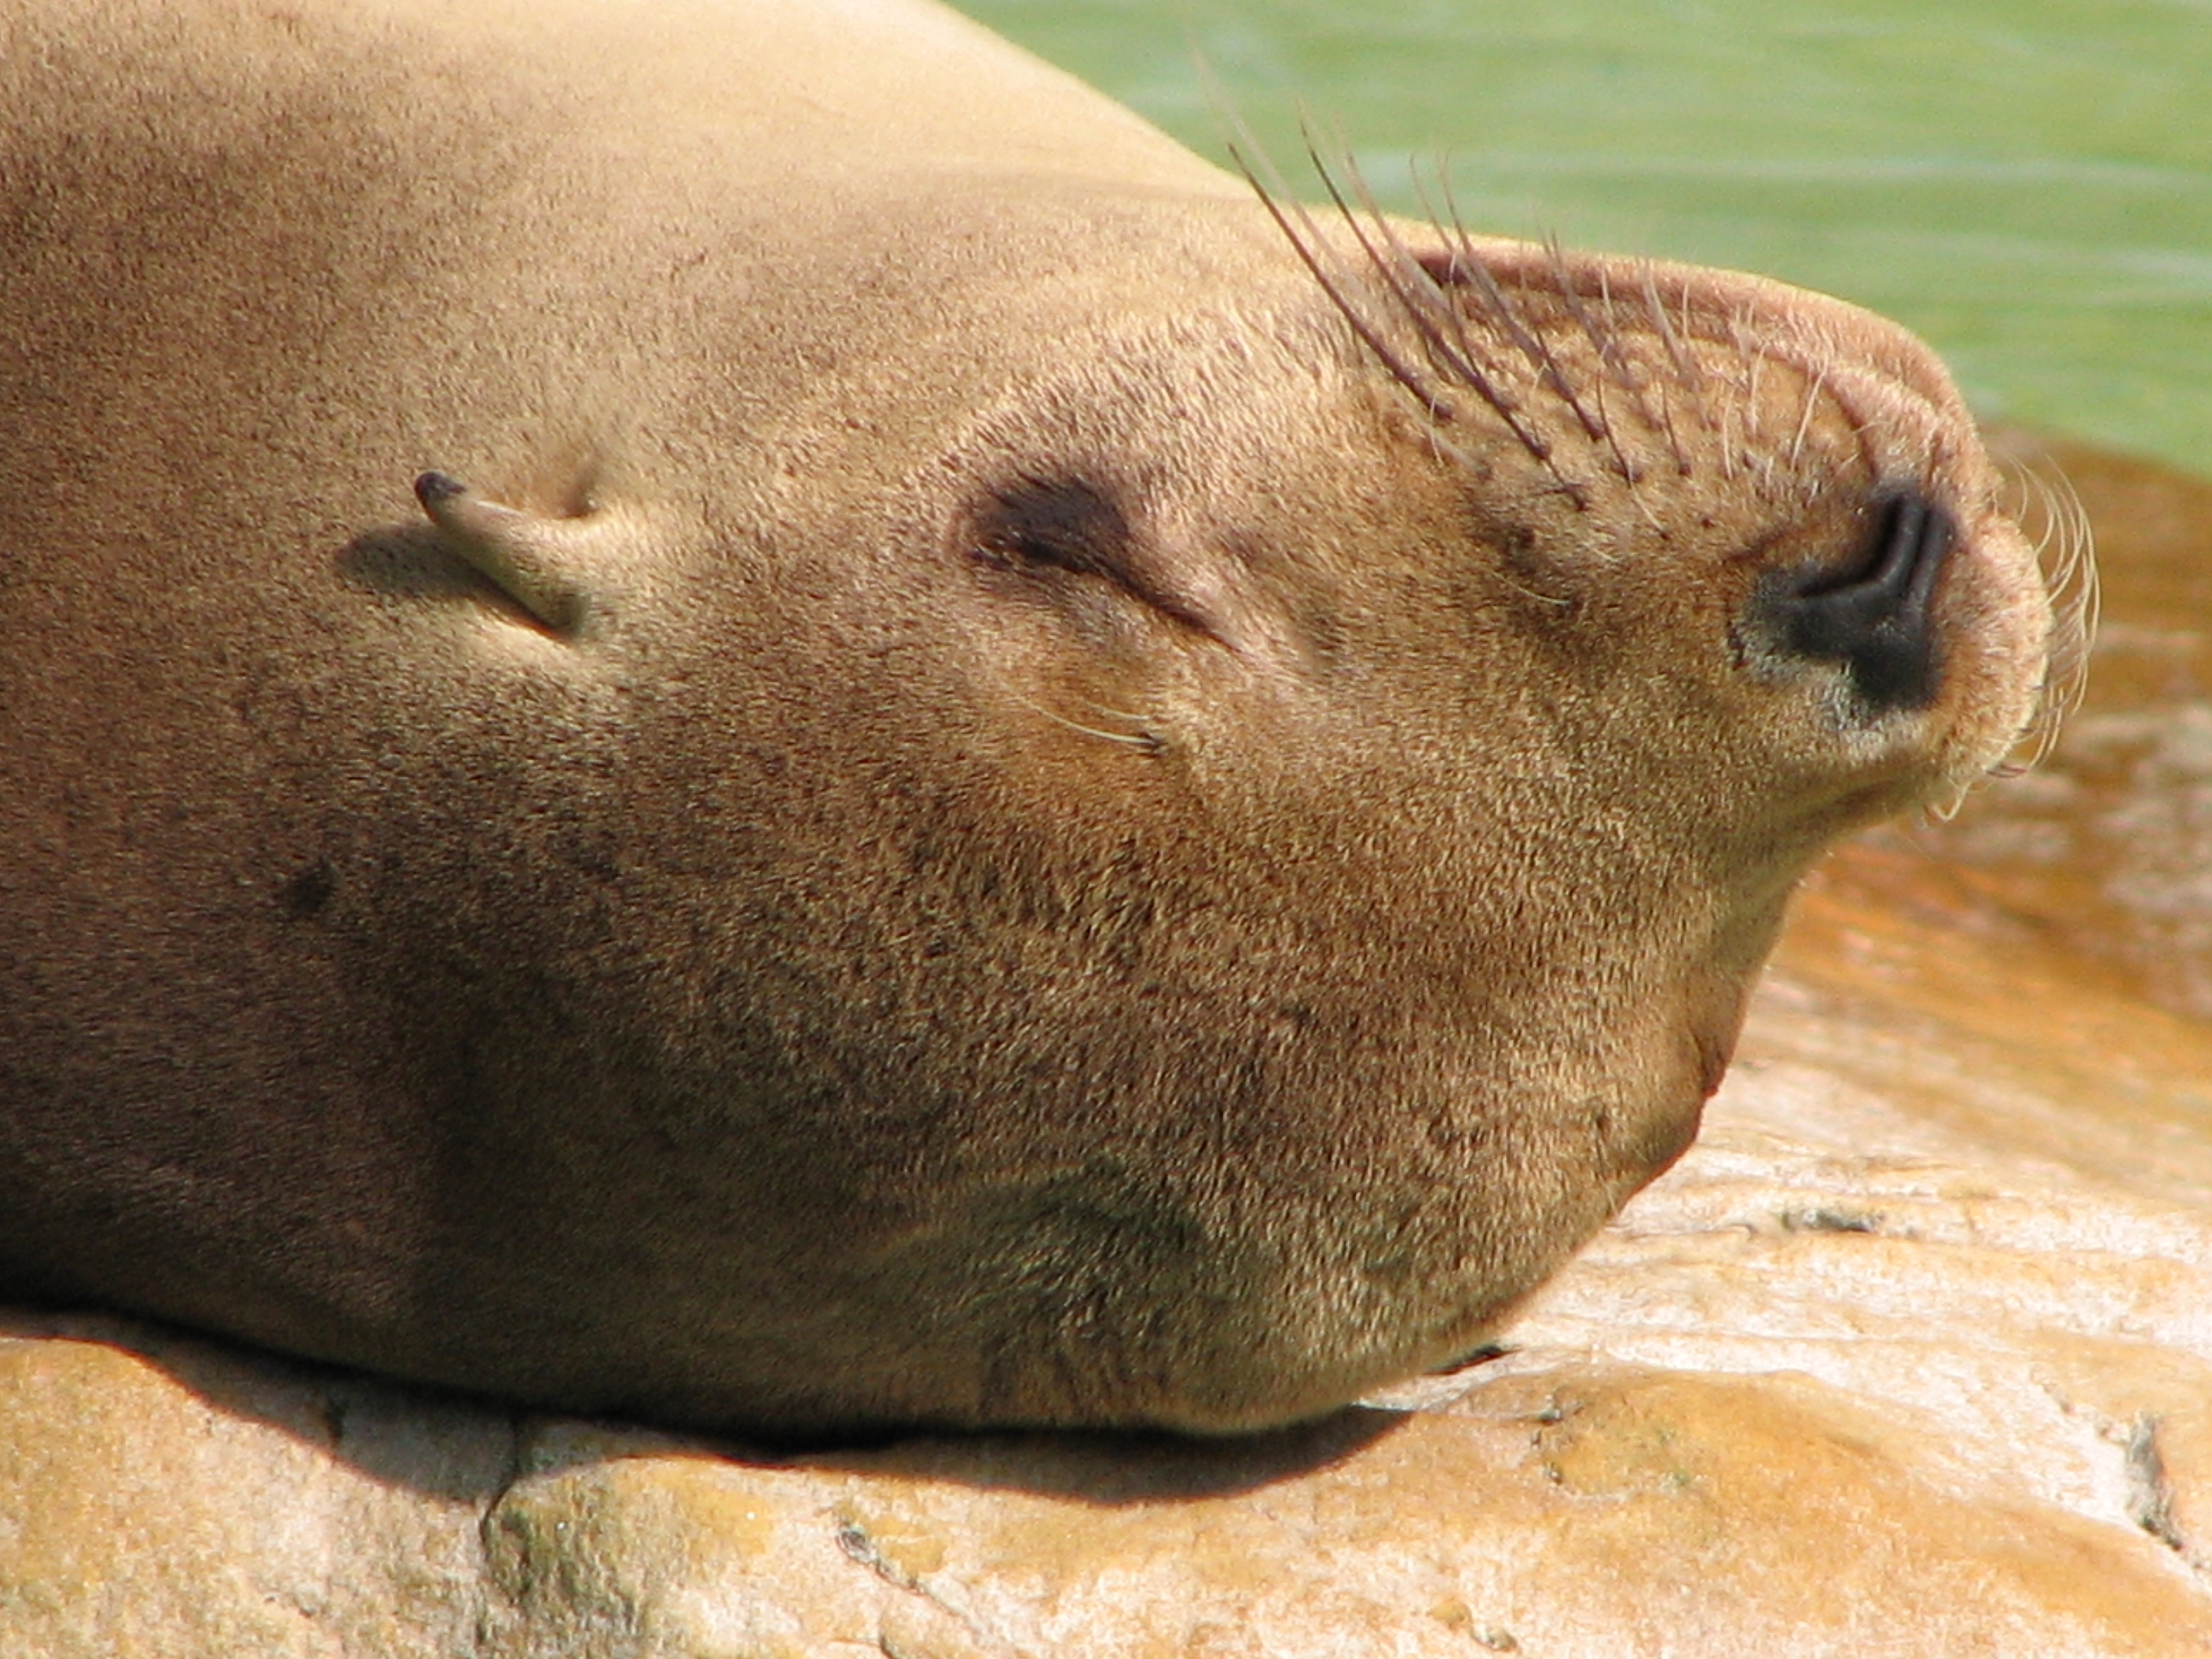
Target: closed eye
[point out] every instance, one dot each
(1035, 524)
(1040, 526)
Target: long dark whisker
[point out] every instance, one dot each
(1685, 368)
(1657, 311)
(1605, 345)
(1531, 342)
(1307, 247)
(1455, 314)
(1419, 296)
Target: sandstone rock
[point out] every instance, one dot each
(1911, 1355)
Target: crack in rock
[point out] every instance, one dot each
(2150, 1493)
(858, 1545)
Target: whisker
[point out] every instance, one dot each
(1148, 743)
(1603, 334)
(1674, 438)
(1813, 391)
(2066, 549)
(1685, 368)
(1121, 714)
(1751, 423)
(1455, 315)
(1538, 349)
(1726, 430)
(1628, 374)
(1466, 263)
(1422, 300)
(1605, 344)
(1499, 305)
(1942, 811)
(1274, 193)
(1607, 337)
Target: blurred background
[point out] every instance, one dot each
(2028, 183)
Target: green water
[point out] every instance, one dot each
(2027, 184)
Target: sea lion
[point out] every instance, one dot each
(997, 783)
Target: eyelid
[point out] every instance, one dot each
(1038, 525)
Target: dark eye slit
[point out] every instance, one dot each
(1039, 524)
(1059, 524)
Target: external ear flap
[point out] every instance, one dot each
(539, 563)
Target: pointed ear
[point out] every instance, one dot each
(542, 563)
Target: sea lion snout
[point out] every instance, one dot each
(1672, 457)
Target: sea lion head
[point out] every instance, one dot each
(1255, 840)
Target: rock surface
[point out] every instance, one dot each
(1911, 1355)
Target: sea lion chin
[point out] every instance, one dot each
(990, 783)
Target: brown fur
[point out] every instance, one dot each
(1009, 797)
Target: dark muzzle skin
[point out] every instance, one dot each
(1873, 618)
(986, 782)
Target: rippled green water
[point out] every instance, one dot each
(2027, 182)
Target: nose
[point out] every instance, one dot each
(1872, 616)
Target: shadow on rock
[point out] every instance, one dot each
(469, 1450)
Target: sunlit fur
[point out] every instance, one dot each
(740, 710)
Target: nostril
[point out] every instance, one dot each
(1873, 616)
